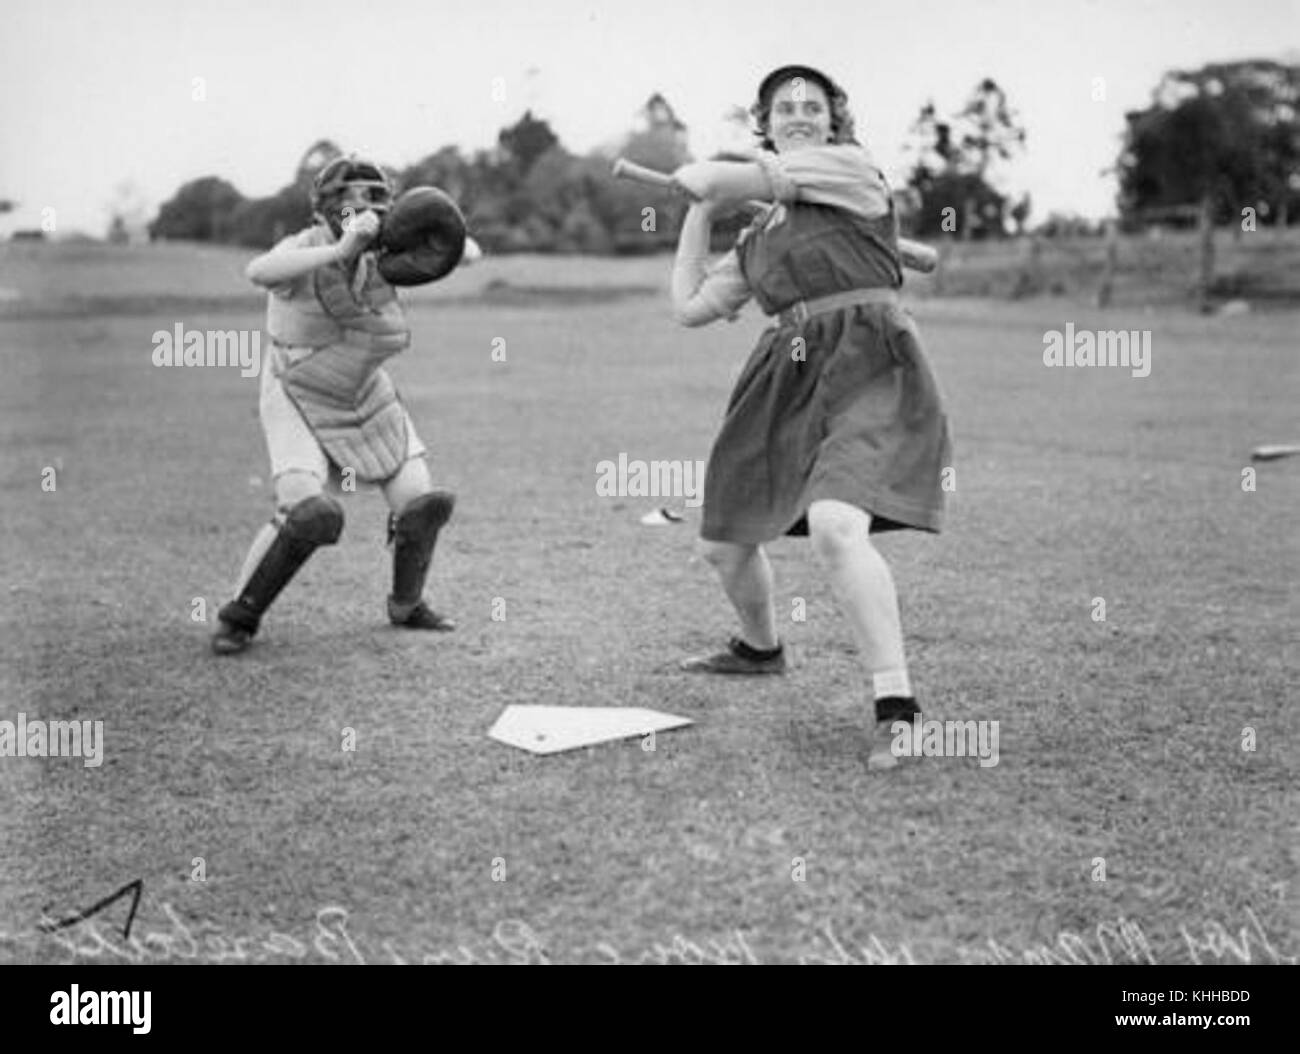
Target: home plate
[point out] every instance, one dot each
(551, 729)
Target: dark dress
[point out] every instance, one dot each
(860, 420)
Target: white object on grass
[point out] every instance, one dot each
(552, 729)
(661, 516)
(1272, 451)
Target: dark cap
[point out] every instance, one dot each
(842, 124)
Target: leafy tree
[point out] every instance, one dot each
(582, 232)
(955, 161)
(658, 139)
(989, 130)
(261, 222)
(1222, 137)
(526, 141)
(553, 187)
(448, 170)
(621, 208)
(1019, 213)
(199, 211)
(526, 194)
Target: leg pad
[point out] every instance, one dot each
(414, 531)
(317, 520)
(313, 522)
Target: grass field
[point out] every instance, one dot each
(1120, 740)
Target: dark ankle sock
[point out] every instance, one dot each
(747, 651)
(896, 708)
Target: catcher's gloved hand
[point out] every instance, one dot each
(422, 239)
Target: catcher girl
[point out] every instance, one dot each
(835, 428)
(328, 407)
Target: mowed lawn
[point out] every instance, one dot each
(755, 834)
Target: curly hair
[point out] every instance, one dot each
(842, 124)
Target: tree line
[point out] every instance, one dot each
(526, 194)
(1222, 138)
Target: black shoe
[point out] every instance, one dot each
(231, 639)
(236, 627)
(894, 708)
(739, 658)
(419, 617)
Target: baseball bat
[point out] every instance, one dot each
(916, 256)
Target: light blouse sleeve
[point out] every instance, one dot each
(309, 238)
(704, 293)
(842, 175)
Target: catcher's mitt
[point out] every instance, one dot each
(422, 238)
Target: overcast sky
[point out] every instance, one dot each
(95, 94)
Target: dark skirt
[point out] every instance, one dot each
(860, 420)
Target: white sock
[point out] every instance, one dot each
(888, 683)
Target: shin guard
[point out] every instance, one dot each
(313, 522)
(413, 533)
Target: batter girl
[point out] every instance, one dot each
(835, 428)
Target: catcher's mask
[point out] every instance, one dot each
(337, 176)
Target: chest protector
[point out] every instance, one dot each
(352, 323)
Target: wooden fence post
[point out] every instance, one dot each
(1206, 281)
(1107, 287)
